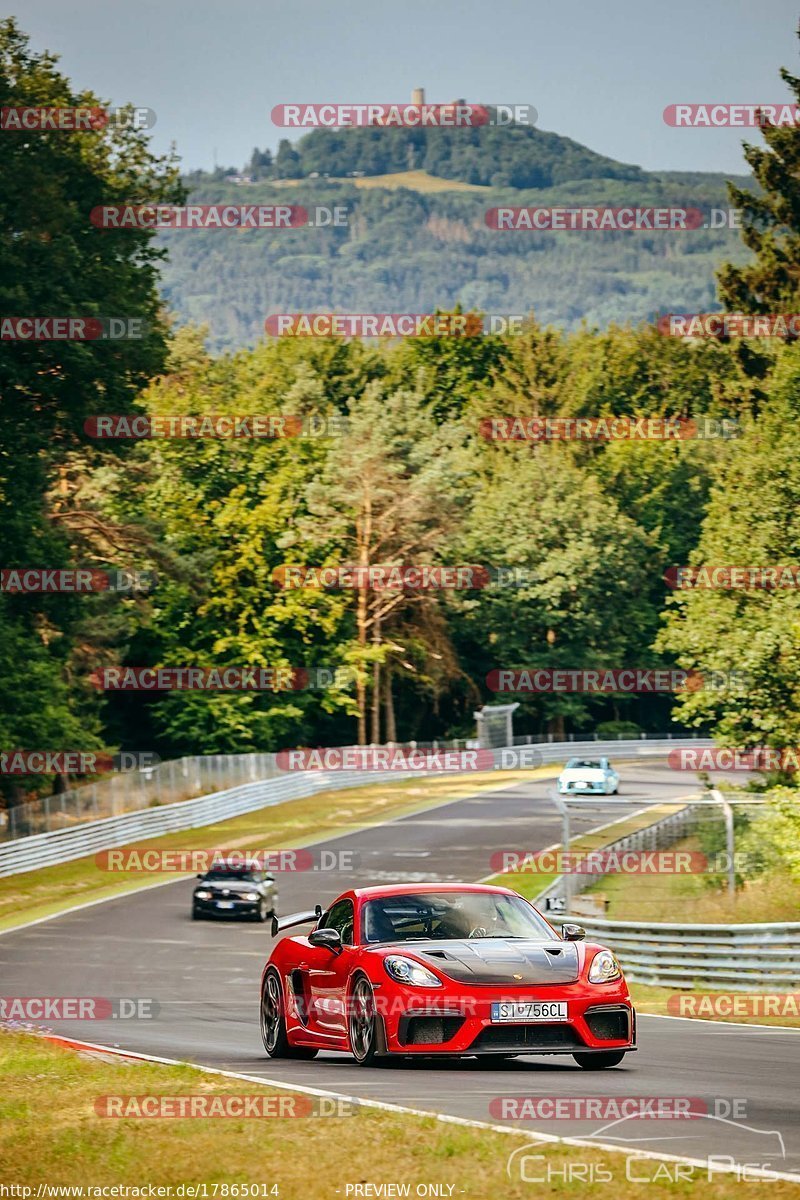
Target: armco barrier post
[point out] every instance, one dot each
(730, 841)
(565, 840)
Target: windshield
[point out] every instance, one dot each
(220, 874)
(426, 915)
(585, 764)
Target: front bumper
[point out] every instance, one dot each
(595, 1023)
(227, 907)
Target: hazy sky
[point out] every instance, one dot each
(598, 71)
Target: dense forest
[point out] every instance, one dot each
(411, 247)
(411, 251)
(403, 473)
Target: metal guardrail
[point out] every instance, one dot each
(64, 845)
(184, 779)
(659, 835)
(739, 958)
(131, 790)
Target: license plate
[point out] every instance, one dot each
(534, 1010)
(224, 904)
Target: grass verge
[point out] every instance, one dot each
(671, 898)
(529, 881)
(655, 1001)
(50, 1134)
(700, 899)
(689, 899)
(290, 825)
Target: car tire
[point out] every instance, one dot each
(197, 915)
(273, 1022)
(599, 1062)
(262, 915)
(364, 1027)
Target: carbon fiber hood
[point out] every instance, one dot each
(508, 963)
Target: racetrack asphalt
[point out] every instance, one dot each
(204, 979)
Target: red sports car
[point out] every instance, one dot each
(442, 969)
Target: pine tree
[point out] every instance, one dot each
(770, 223)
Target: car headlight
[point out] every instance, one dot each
(604, 968)
(250, 896)
(405, 970)
(203, 894)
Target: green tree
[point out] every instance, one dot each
(388, 497)
(576, 575)
(770, 223)
(54, 262)
(752, 520)
(287, 161)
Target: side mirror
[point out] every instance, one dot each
(269, 878)
(199, 876)
(330, 939)
(573, 933)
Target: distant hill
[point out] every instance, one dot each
(416, 237)
(519, 156)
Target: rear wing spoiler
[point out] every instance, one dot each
(300, 918)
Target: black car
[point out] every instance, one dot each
(233, 890)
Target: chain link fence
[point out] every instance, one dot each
(130, 791)
(199, 775)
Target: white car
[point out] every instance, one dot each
(588, 776)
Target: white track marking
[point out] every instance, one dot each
(514, 1131)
